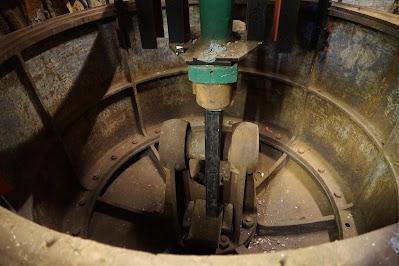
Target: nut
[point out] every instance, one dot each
(248, 222)
(301, 151)
(75, 232)
(224, 242)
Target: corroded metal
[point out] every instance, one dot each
(172, 149)
(225, 183)
(344, 121)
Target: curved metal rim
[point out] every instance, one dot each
(146, 144)
(107, 176)
(15, 42)
(78, 20)
(54, 247)
(313, 172)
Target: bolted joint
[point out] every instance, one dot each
(224, 242)
(248, 222)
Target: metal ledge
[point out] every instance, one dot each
(381, 21)
(23, 241)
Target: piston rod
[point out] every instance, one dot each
(213, 136)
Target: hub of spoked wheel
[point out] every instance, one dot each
(203, 217)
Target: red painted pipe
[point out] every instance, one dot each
(276, 21)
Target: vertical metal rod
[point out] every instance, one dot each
(213, 136)
(256, 20)
(178, 20)
(287, 25)
(319, 33)
(158, 18)
(147, 24)
(216, 19)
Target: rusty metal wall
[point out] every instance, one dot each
(99, 130)
(147, 61)
(384, 5)
(22, 120)
(21, 126)
(164, 99)
(359, 67)
(24, 137)
(269, 102)
(353, 117)
(75, 70)
(348, 114)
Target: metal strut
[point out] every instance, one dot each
(213, 136)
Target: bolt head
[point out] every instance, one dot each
(248, 222)
(301, 151)
(337, 195)
(224, 242)
(75, 232)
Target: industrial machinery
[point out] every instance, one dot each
(210, 183)
(248, 131)
(224, 213)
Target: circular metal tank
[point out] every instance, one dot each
(80, 122)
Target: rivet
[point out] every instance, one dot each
(321, 170)
(224, 242)
(113, 157)
(75, 232)
(337, 195)
(301, 151)
(248, 222)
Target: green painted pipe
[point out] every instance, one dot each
(216, 19)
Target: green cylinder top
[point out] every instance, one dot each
(216, 19)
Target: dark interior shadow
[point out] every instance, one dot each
(40, 165)
(264, 99)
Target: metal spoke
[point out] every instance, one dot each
(128, 209)
(8, 204)
(154, 155)
(276, 167)
(297, 226)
